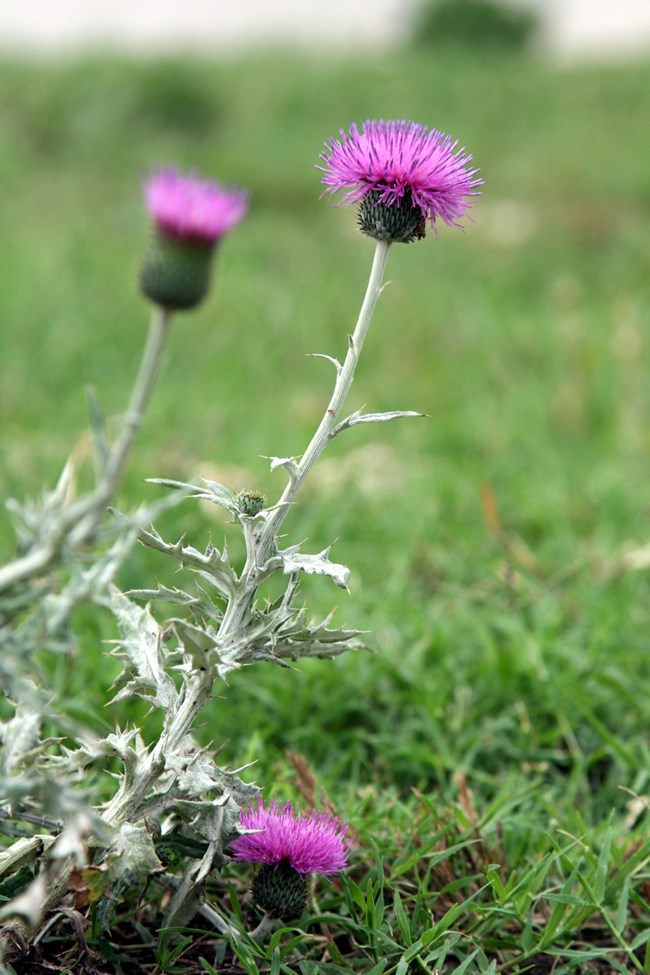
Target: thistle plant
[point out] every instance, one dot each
(68, 554)
(172, 803)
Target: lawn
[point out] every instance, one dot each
(491, 753)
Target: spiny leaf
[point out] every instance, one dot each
(212, 565)
(141, 643)
(288, 463)
(20, 738)
(217, 493)
(358, 417)
(293, 561)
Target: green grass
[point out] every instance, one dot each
(488, 752)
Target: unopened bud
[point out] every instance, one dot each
(251, 502)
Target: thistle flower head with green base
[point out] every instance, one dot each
(402, 174)
(288, 845)
(190, 215)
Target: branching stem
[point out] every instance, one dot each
(126, 805)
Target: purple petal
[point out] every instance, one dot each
(191, 208)
(310, 842)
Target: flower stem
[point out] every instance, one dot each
(92, 508)
(205, 910)
(79, 521)
(345, 376)
(263, 928)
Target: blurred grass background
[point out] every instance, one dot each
(495, 547)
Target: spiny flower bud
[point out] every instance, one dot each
(251, 502)
(190, 215)
(176, 274)
(400, 222)
(280, 891)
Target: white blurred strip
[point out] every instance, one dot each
(571, 27)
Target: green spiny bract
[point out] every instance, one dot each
(400, 222)
(280, 891)
(176, 273)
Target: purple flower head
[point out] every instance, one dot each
(398, 160)
(309, 842)
(192, 209)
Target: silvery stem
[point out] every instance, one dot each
(205, 910)
(345, 376)
(81, 519)
(92, 508)
(220, 923)
(126, 803)
(266, 924)
(28, 565)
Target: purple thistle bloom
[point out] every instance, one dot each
(192, 209)
(309, 842)
(398, 160)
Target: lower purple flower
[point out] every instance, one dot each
(308, 842)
